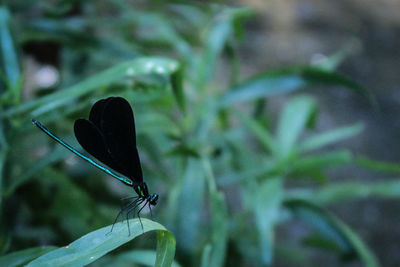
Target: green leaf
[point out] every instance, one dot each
(3, 157)
(207, 118)
(216, 38)
(98, 243)
(260, 132)
(8, 50)
(332, 62)
(332, 228)
(321, 242)
(177, 88)
(265, 199)
(219, 220)
(162, 31)
(190, 201)
(135, 68)
(19, 258)
(205, 256)
(327, 138)
(348, 191)
(287, 80)
(321, 161)
(219, 236)
(380, 166)
(143, 257)
(165, 249)
(294, 118)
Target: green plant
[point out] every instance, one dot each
(200, 138)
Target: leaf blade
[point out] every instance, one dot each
(95, 244)
(8, 50)
(348, 191)
(165, 249)
(333, 228)
(130, 69)
(286, 80)
(266, 202)
(21, 257)
(220, 229)
(293, 120)
(330, 137)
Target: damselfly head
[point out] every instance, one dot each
(153, 199)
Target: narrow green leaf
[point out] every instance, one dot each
(321, 242)
(219, 217)
(163, 30)
(334, 229)
(327, 138)
(260, 132)
(332, 62)
(232, 53)
(321, 161)
(265, 200)
(380, 166)
(348, 191)
(3, 157)
(8, 50)
(216, 39)
(293, 120)
(177, 88)
(19, 258)
(131, 69)
(98, 243)
(219, 236)
(205, 256)
(287, 80)
(190, 201)
(208, 116)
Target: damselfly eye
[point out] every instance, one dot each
(154, 199)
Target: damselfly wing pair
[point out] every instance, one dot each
(109, 136)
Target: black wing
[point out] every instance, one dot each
(109, 135)
(92, 140)
(118, 128)
(96, 112)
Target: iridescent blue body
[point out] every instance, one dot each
(76, 152)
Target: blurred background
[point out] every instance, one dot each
(268, 128)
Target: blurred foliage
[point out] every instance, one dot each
(227, 172)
